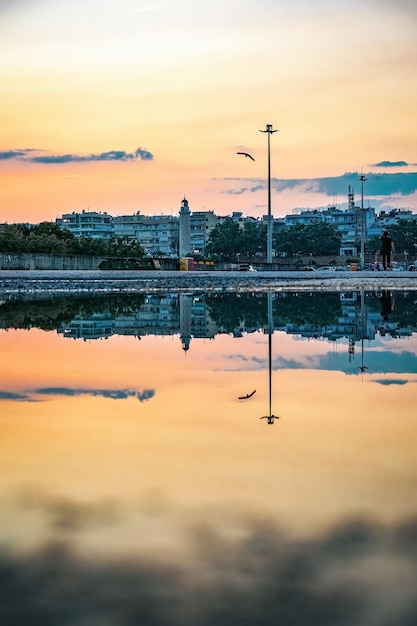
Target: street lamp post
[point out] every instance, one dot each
(269, 130)
(363, 180)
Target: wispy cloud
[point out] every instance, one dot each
(113, 394)
(377, 185)
(390, 164)
(36, 395)
(392, 381)
(151, 7)
(112, 155)
(14, 154)
(16, 397)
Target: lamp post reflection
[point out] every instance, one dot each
(363, 331)
(270, 417)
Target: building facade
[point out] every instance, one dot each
(201, 225)
(157, 234)
(87, 224)
(189, 232)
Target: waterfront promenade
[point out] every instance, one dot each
(27, 283)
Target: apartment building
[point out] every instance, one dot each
(92, 224)
(157, 234)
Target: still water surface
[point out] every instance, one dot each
(138, 485)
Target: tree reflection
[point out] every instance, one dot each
(231, 310)
(226, 312)
(49, 314)
(315, 309)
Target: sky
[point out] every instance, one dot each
(131, 105)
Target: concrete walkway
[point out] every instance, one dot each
(26, 282)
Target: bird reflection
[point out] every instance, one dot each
(248, 395)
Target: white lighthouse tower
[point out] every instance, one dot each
(185, 229)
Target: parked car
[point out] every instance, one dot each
(326, 269)
(246, 267)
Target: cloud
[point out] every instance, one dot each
(113, 394)
(14, 154)
(113, 155)
(376, 185)
(17, 397)
(37, 395)
(357, 573)
(237, 192)
(390, 164)
(391, 381)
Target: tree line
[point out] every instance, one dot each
(49, 238)
(228, 239)
(229, 311)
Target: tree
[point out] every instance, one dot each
(12, 239)
(225, 239)
(49, 238)
(229, 238)
(253, 238)
(289, 241)
(316, 239)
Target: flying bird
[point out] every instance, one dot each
(248, 395)
(246, 155)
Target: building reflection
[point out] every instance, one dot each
(355, 317)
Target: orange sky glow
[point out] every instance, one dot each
(189, 84)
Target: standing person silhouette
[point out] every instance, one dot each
(387, 247)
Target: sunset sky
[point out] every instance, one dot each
(128, 106)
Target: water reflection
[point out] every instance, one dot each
(357, 317)
(137, 485)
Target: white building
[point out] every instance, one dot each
(157, 234)
(201, 223)
(87, 224)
